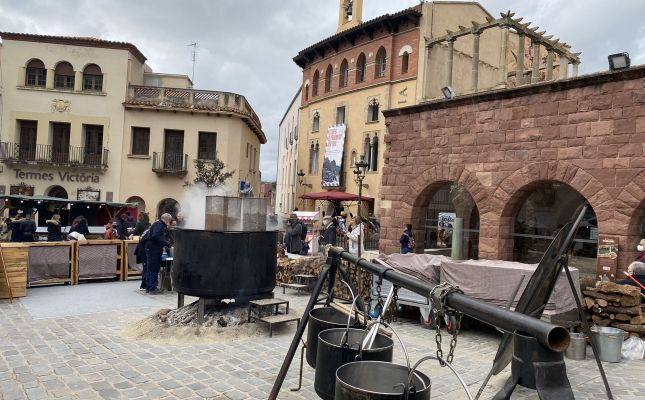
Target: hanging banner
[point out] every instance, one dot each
(333, 163)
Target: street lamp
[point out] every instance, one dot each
(359, 173)
(301, 178)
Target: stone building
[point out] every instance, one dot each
(88, 115)
(286, 176)
(510, 166)
(398, 60)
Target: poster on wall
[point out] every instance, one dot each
(607, 257)
(92, 195)
(333, 163)
(445, 221)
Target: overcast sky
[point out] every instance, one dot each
(247, 46)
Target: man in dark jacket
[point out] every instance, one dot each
(329, 231)
(293, 235)
(28, 229)
(154, 248)
(16, 232)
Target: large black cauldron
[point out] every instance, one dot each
(225, 265)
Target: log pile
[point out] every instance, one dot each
(619, 306)
(287, 268)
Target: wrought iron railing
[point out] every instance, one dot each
(170, 163)
(206, 100)
(370, 239)
(54, 154)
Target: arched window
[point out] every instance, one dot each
(64, 76)
(344, 74)
(374, 154)
(315, 84)
(316, 157)
(312, 155)
(328, 75)
(306, 92)
(372, 111)
(361, 68)
(366, 151)
(36, 74)
(315, 124)
(405, 59)
(381, 63)
(92, 78)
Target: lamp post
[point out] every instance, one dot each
(359, 174)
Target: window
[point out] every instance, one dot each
(344, 74)
(207, 146)
(314, 85)
(405, 59)
(306, 92)
(27, 144)
(64, 76)
(366, 151)
(361, 68)
(328, 76)
(340, 115)
(381, 62)
(140, 141)
(60, 143)
(372, 111)
(93, 144)
(374, 154)
(36, 74)
(313, 158)
(315, 126)
(93, 78)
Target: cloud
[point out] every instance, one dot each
(247, 46)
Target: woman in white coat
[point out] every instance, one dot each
(356, 236)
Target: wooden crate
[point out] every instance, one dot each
(78, 258)
(129, 246)
(51, 281)
(16, 261)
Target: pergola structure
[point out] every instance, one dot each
(506, 23)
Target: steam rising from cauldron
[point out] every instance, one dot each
(193, 204)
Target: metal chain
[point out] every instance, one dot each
(437, 338)
(395, 301)
(453, 341)
(438, 297)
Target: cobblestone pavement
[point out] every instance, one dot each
(87, 357)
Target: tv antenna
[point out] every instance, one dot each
(194, 58)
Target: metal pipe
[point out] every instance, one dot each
(553, 337)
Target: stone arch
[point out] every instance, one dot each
(168, 205)
(405, 49)
(57, 191)
(513, 190)
(629, 216)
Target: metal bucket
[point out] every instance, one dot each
(577, 349)
(610, 341)
(377, 380)
(321, 319)
(331, 355)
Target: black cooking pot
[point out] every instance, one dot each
(377, 380)
(321, 319)
(335, 348)
(224, 265)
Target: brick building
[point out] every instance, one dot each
(513, 164)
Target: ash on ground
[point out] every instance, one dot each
(223, 322)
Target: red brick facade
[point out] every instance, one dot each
(587, 132)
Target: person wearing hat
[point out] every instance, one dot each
(328, 232)
(293, 235)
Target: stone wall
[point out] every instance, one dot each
(587, 132)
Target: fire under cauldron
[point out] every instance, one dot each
(224, 264)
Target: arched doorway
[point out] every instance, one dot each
(58, 192)
(541, 211)
(452, 222)
(170, 206)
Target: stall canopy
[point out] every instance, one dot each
(307, 215)
(335, 196)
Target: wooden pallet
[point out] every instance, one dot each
(16, 262)
(298, 286)
(279, 319)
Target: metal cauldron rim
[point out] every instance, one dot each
(416, 374)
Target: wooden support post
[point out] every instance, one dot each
(519, 70)
(474, 77)
(549, 65)
(503, 60)
(535, 73)
(451, 44)
(6, 277)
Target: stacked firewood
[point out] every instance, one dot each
(288, 267)
(611, 304)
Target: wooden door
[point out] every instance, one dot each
(173, 150)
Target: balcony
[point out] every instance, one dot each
(170, 163)
(46, 154)
(190, 100)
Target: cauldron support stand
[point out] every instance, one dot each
(332, 265)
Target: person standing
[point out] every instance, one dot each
(5, 230)
(143, 223)
(329, 231)
(154, 248)
(54, 229)
(80, 225)
(293, 235)
(16, 233)
(356, 237)
(407, 240)
(28, 229)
